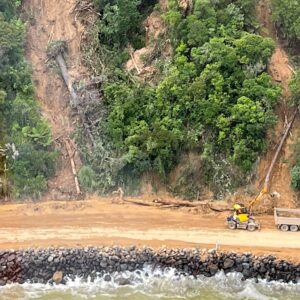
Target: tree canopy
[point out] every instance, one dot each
(214, 98)
(24, 135)
(286, 14)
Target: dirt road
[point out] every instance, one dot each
(99, 222)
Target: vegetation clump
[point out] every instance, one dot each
(55, 48)
(25, 136)
(286, 15)
(215, 97)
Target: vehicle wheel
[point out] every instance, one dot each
(251, 227)
(284, 227)
(231, 225)
(294, 228)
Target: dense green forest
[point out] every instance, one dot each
(27, 159)
(205, 113)
(214, 98)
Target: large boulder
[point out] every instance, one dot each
(58, 277)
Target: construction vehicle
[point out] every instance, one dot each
(242, 217)
(287, 219)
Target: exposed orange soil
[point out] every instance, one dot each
(49, 21)
(154, 28)
(281, 72)
(99, 222)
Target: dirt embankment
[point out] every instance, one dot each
(50, 21)
(281, 73)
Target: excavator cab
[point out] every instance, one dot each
(241, 219)
(240, 213)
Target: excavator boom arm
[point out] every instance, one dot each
(263, 192)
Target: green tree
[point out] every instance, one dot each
(286, 13)
(24, 134)
(120, 22)
(214, 98)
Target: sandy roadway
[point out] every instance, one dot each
(99, 222)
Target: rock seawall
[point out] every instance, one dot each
(39, 265)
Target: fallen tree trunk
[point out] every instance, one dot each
(159, 201)
(75, 100)
(139, 202)
(64, 72)
(165, 204)
(71, 157)
(169, 203)
(271, 167)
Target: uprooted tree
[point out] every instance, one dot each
(85, 99)
(56, 51)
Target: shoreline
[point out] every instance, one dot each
(55, 264)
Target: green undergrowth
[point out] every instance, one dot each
(286, 15)
(295, 164)
(25, 139)
(214, 99)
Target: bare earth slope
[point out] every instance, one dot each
(281, 72)
(99, 222)
(51, 21)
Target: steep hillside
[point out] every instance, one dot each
(50, 21)
(27, 158)
(183, 112)
(209, 99)
(281, 72)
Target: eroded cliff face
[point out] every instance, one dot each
(56, 20)
(281, 73)
(50, 21)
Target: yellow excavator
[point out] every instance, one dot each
(242, 217)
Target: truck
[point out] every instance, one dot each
(287, 219)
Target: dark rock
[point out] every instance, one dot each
(11, 257)
(2, 282)
(262, 269)
(103, 264)
(123, 281)
(107, 277)
(239, 268)
(228, 263)
(246, 273)
(123, 267)
(213, 269)
(39, 265)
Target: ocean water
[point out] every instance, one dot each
(155, 285)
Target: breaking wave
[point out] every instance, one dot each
(154, 284)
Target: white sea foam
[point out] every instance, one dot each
(155, 284)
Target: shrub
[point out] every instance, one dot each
(295, 177)
(22, 127)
